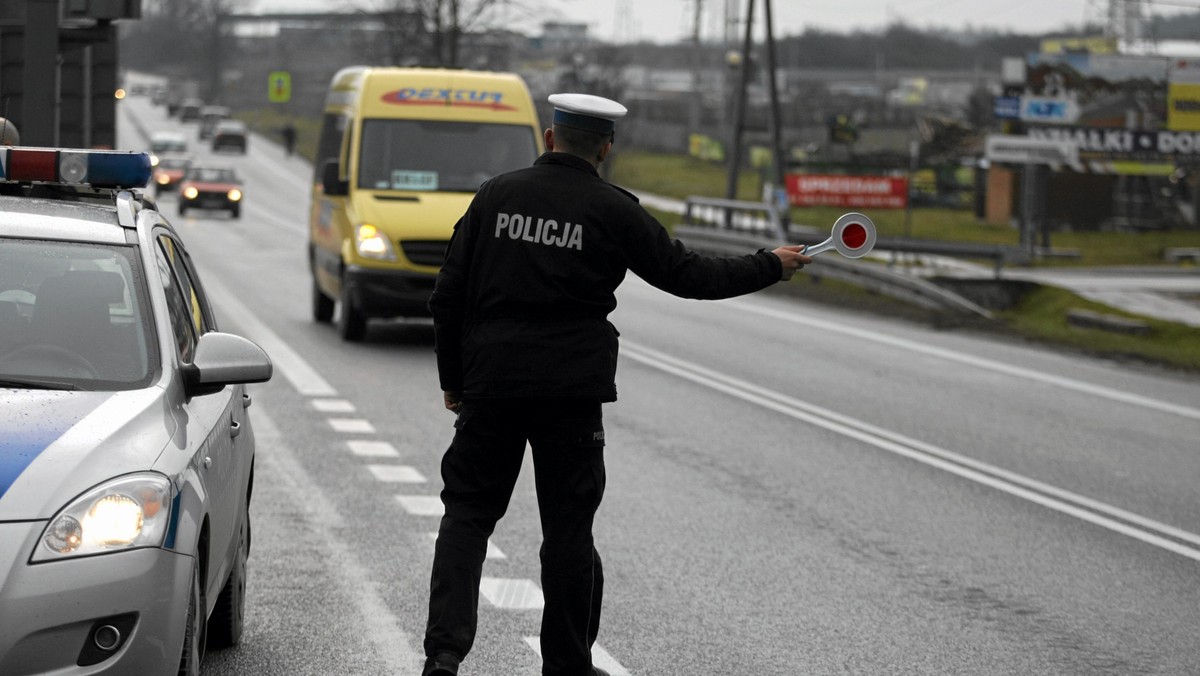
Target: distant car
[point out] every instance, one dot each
(169, 172)
(189, 110)
(164, 142)
(126, 447)
(208, 187)
(230, 134)
(210, 117)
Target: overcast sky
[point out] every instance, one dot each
(671, 20)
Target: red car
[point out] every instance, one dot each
(169, 172)
(211, 188)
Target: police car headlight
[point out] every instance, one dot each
(162, 179)
(234, 195)
(191, 192)
(373, 244)
(124, 513)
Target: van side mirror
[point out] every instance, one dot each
(331, 183)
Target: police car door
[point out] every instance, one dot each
(213, 420)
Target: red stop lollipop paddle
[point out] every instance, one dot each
(853, 237)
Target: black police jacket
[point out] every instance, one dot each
(521, 304)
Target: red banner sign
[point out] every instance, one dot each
(876, 192)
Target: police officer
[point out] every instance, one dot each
(526, 355)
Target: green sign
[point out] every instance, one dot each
(279, 87)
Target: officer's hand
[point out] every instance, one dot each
(792, 258)
(453, 401)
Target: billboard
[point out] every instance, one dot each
(1097, 90)
(875, 192)
(1183, 95)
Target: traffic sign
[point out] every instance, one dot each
(853, 237)
(279, 88)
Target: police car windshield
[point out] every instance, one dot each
(71, 314)
(424, 155)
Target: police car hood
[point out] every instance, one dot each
(412, 215)
(55, 445)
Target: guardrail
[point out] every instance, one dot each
(730, 227)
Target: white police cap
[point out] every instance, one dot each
(589, 113)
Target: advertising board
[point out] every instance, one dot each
(867, 192)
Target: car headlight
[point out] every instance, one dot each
(234, 194)
(162, 179)
(374, 244)
(124, 513)
(191, 192)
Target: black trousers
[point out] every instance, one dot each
(479, 471)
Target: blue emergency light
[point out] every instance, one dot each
(97, 168)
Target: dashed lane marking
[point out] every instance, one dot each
(400, 474)
(511, 594)
(333, 405)
(600, 657)
(352, 425)
(372, 449)
(421, 505)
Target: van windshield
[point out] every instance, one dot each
(440, 156)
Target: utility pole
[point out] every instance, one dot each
(774, 122)
(695, 112)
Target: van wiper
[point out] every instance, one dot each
(37, 384)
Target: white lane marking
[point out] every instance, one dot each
(421, 505)
(493, 552)
(398, 474)
(333, 406)
(372, 449)
(352, 425)
(971, 360)
(287, 361)
(511, 594)
(346, 574)
(600, 657)
(1104, 515)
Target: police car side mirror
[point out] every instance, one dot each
(223, 359)
(331, 183)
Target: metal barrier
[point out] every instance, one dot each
(735, 216)
(731, 227)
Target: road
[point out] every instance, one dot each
(791, 488)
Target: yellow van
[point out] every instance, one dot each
(401, 153)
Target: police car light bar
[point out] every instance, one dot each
(97, 168)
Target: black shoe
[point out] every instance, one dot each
(442, 664)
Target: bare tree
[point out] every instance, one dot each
(444, 21)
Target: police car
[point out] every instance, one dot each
(126, 450)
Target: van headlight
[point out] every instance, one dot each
(372, 243)
(124, 513)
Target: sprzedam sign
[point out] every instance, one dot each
(878, 192)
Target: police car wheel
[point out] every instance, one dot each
(227, 622)
(235, 212)
(352, 325)
(194, 631)
(322, 305)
